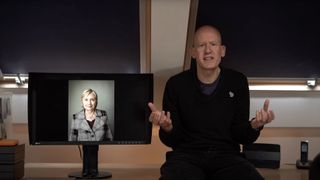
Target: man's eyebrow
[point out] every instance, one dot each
(205, 42)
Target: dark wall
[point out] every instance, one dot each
(83, 36)
(267, 38)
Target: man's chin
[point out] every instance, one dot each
(209, 66)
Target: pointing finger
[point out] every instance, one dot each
(266, 105)
(152, 107)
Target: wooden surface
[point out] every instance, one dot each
(145, 173)
(117, 174)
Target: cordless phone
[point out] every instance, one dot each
(303, 162)
(304, 151)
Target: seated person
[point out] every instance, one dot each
(205, 117)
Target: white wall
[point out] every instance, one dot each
(169, 23)
(19, 104)
(292, 108)
(20, 108)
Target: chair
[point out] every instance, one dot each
(262, 155)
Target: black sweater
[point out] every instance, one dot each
(219, 121)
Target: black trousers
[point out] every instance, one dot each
(210, 165)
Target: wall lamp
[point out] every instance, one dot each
(302, 84)
(312, 83)
(14, 80)
(20, 79)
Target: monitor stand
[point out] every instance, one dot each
(90, 165)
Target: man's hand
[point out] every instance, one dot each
(263, 116)
(160, 118)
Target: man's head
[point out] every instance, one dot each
(207, 48)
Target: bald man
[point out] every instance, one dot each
(205, 117)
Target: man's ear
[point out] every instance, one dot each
(223, 50)
(192, 52)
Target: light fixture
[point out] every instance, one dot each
(312, 83)
(283, 84)
(18, 79)
(279, 87)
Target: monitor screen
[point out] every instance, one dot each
(89, 109)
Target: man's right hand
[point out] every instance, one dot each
(160, 118)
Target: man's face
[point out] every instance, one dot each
(207, 49)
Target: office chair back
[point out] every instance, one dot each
(263, 155)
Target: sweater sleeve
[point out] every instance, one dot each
(169, 103)
(242, 131)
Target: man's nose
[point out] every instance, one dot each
(208, 48)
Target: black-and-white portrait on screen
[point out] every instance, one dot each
(91, 110)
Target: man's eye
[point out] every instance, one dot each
(213, 44)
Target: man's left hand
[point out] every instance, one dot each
(263, 116)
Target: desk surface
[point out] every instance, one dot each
(117, 173)
(32, 173)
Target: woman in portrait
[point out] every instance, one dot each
(90, 124)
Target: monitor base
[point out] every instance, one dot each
(90, 165)
(99, 175)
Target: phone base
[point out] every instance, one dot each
(303, 165)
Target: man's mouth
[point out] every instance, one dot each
(209, 58)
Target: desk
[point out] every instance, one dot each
(285, 173)
(152, 173)
(117, 174)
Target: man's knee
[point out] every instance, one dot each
(179, 170)
(240, 171)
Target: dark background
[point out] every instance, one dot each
(74, 36)
(267, 38)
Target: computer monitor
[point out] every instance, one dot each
(58, 113)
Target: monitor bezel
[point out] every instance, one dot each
(147, 77)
